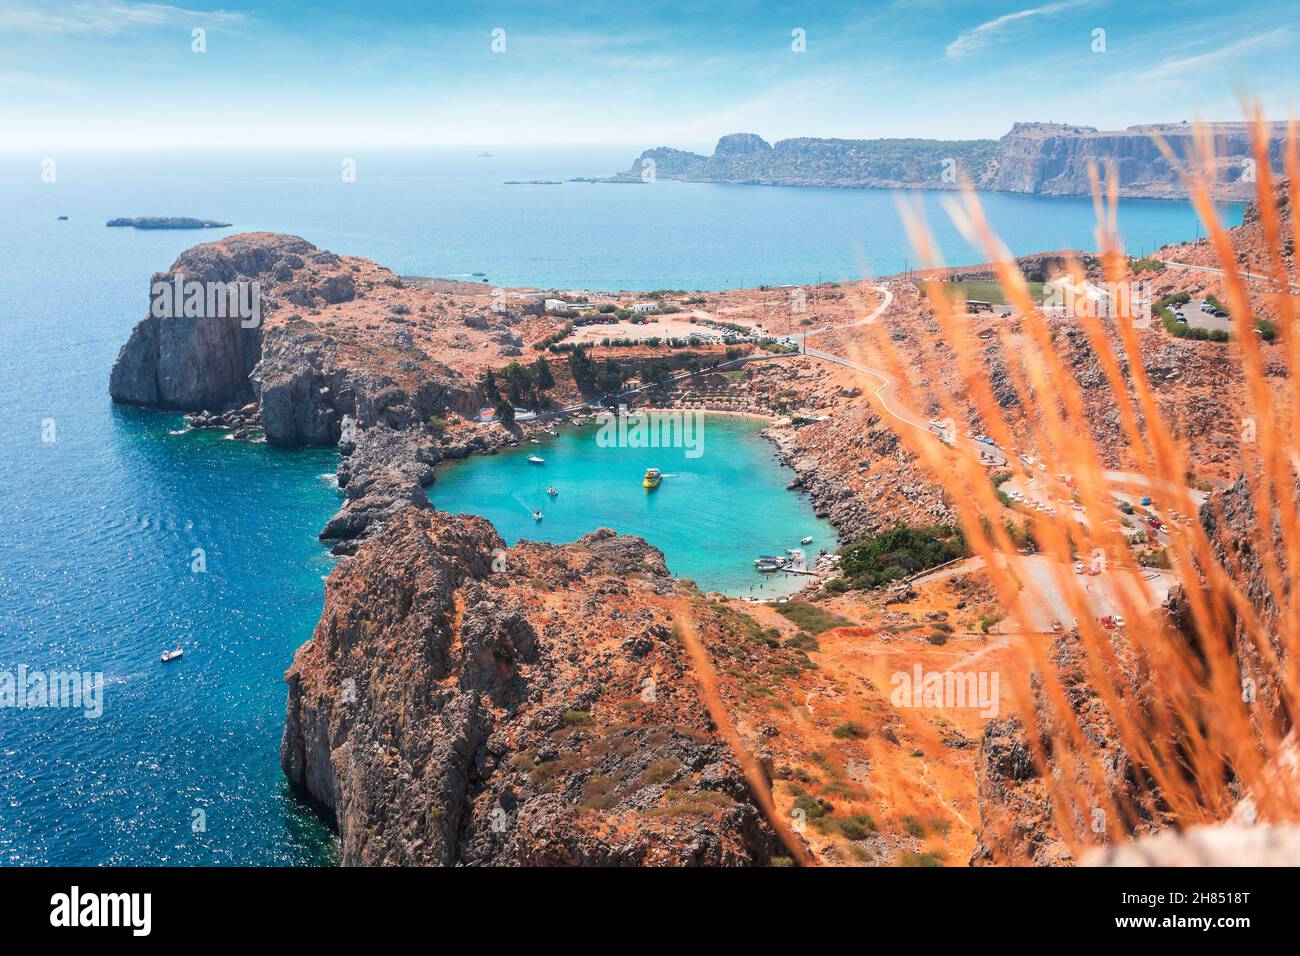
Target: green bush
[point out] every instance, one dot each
(900, 552)
(811, 618)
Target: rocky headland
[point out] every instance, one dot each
(1049, 159)
(347, 354)
(464, 703)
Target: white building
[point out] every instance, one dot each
(643, 306)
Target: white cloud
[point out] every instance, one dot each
(987, 32)
(1176, 67)
(106, 16)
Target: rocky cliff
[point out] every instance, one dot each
(882, 163)
(463, 703)
(1042, 158)
(345, 353)
(1053, 160)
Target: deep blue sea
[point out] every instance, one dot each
(99, 526)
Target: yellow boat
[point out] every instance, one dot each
(652, 478)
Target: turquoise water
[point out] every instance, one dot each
(97, 529)
(711, 515)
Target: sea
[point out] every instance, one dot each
(122, 534)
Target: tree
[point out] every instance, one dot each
(490, 387)
(581, 366)
(519, 382)
(505, 412)
(542, 374)
(609, 377)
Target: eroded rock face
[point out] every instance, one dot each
(195, 364)
(1017, 824)
(1053, 160)
(461, 703)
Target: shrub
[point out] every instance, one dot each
(902, 551)
(812, 619)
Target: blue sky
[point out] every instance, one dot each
(92, 73)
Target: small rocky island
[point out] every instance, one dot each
(167, 222)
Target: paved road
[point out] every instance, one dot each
(1248, 276)
(886, 393)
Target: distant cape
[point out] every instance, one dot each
(1049, 159)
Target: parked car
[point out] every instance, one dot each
(1078, 567)
(1108, 622)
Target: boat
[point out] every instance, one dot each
(478, 275)
(537, 515)
(171, 655)
(552, 492)
(537, 459)
(534, 441)
(652, 478)
(775, 559)
(806, 540)
(767, 567)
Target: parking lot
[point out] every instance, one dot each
(1200, 314)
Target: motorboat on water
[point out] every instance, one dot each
(537, 459)
(171, 655)
(552, 492)
(770, 562)
(652, 478)
(807, 539)
(537, 515)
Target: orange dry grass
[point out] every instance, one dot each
(1200, 742)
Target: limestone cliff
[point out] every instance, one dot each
(1043, 158)
(343, 354)
(461, 703)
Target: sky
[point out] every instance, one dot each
(123, 74)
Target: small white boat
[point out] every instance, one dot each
(171, 655)
(537, 459)
(806, 540)
(534, 441)
(537, 516)
(552, 492)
